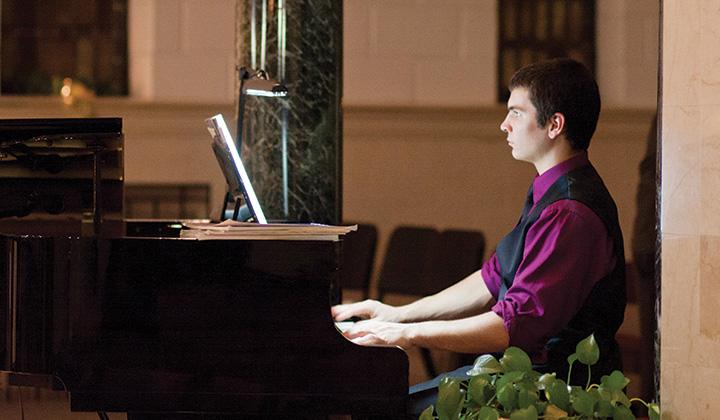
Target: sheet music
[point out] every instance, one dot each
(231, 229)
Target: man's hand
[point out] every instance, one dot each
(367, 309)
(380, 333)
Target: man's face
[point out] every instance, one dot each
(528, 140)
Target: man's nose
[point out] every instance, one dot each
(504, 127)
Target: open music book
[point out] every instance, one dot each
(231, 229)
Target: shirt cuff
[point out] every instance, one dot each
(504, 310)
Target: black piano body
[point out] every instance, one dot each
(141, 324)
(130, 317)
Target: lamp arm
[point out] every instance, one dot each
(243, 75)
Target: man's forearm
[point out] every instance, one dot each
(466, 298)
(484, 333)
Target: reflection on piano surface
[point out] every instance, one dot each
(130, 321)
(54, 170)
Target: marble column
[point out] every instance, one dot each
(292, 146)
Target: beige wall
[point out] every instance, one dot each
(414, 52)
(627, 52)
(690, 330)
(399, 52)
(444, 53)
(182, 50)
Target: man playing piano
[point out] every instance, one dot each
(557, 277)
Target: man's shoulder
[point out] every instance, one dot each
(569, 211)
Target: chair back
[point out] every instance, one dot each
(405, 260)
(358, 258)
(454, 255)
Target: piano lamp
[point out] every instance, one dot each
(257, 83)
(254, 83)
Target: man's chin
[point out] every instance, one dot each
(519, 157)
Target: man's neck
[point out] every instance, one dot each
(555, 156)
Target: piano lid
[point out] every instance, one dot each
(14, 131)
(57, 169)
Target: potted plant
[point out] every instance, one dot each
(510, 388)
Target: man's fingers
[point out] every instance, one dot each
(337, 311)
(357, 330)
(360, 309)
(344, 314)
(367, 340)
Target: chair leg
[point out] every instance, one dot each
(428, 362)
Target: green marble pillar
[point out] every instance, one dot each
(292, 146)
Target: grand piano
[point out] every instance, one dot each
(130, 317)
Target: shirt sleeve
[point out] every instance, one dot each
(491, 275)
(567, 250)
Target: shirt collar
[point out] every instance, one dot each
(541, 183)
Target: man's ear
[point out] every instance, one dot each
(556, 125)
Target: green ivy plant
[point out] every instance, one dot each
(510, 388)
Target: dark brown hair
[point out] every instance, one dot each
(566, 86)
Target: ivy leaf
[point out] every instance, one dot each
(527, 384)
(516, 359)
(545, 380)
(572, 358)
(623, 413)
(479, 389)
(557, 393)
(574, 389)
(604, 409)
(450, 399)
(485, 364)
(615, 382)
(554, 413)
(654, 411)
(487, 413)
(582, 402)
(507, 396)
(529, 413)
(587, 351)
(603, 393)
(527, 398)
(510, 378)
(427, 414)
(620, 397)
(506, 392)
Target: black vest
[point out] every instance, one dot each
(604, 309)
